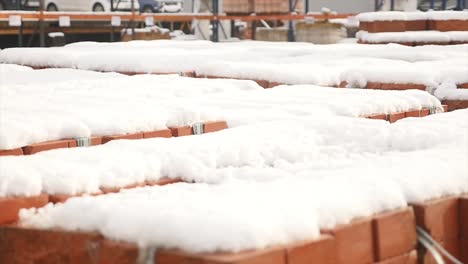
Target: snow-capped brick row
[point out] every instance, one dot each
(61, 198)
(301, 63)
(295, 183)
(10, 206)
(413, 21)
(176, 102)
(441, 219)
(156, 103)
(394, 234)
(382, 21)
(94, 141)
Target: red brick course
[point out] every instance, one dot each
(394, 86)
(11, 152)
(455, 104)
(378, 117)
(106, 139)
(49, 145)
(408, 258)
(266, 256)
(439, 217)
(354, 242)
(386, 26)
(414, 113)
(463, 213)
(464, 250)
(24, 246)
(425, 112)
(318, 251)
(392, 118)
(214, 126)
(416, 25)
(10, 206)
(394, 233)
(165, 133)
(448, 25)
(181, 131)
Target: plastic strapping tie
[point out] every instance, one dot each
(83, 142)
(436, 246)
(198, 129)
(147, 255)
(433, 110)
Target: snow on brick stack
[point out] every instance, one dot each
(414, 28)
(244, 226)
(94, 112)
(455, 96)
(387, 67)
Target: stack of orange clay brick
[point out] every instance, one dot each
(414, 28)
(259, 6)
(98, 140)
(388, 237)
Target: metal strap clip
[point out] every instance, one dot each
(83, 142)
(198, 128)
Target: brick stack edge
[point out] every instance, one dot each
(445, 220)
(415, 25)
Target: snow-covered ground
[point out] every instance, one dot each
(33, 112)
(290, 63)
(257, 185)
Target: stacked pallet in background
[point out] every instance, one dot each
(260, 6)
(414, 28)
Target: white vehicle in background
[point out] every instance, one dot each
(90, 5)
(160, 6)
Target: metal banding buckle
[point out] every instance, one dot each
(83, 142)
(198, 129)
